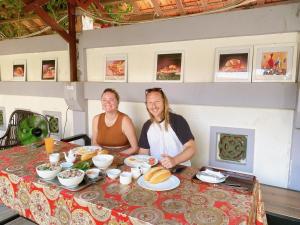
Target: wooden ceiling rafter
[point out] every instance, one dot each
(180, 7)
(157, 9)
(36, 7)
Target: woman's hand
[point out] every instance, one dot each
(168, 161)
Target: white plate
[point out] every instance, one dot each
(209, 179)
(81, 150)
(138, 160)
(171, 183)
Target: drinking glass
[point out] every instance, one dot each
(49, 144)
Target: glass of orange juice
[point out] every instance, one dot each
(49, 144)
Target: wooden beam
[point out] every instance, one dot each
(72, 41)
(32, 5)
(157, 8)
(52, 23)
(180, 7)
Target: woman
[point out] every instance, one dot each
(166, 136)
(113, 129)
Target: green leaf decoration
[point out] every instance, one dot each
(32, 129)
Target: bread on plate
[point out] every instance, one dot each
(157, 175)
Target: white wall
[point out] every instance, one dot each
(273, 127)
(198, 56)
(273, 130)
(34, 65)
(38, 104)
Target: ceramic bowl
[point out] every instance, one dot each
(71, 177)
(113, 173)
(103, 161)
(92, 173)
(48, 171)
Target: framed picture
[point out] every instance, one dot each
(19, 70)
(116, 68)
(2, 119)
(169, 67)
(49, 69)
(55, 124)
(232, 148)
(233, 64)
(275, 63)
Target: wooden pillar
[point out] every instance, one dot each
(72, 41)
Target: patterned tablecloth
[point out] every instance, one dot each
(108, 202)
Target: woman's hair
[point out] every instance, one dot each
(166, 111)
(112, 91)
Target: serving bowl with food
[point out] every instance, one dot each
(103, 161)
(70, 177)
(48, 171)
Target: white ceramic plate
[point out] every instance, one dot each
(209, 179)
(81, 150)
(171, 183)
(138, 160)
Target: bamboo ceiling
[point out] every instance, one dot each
(18, 20)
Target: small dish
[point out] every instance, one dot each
(113, 173)
(92, 173)
(66, 165)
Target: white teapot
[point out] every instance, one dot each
(71, 157)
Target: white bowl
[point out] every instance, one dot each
(92, 173)
(47, 171)
(113, 173)
(103, 161)
(71, 177)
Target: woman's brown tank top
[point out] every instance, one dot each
(111, 136)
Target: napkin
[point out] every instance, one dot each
(217, 175)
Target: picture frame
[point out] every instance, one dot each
(2, 119)
(169, 66)
(49, 69)
(55, 123)
(275, 63)
(232, 148)
(233, 64)
(115, 69)
(19, 70)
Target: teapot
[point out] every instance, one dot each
(71, 157)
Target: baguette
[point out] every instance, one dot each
(151, 172)
(88, 156)
(102, 151)
(160, 176)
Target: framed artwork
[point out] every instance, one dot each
(19, 70)
(233, 64)
(232, 148)
(2, 119)
(275, 63)
(49, 69)
(169, 67)
(116, 68)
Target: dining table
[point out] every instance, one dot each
(109, 202)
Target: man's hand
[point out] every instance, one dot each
(167, 161)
